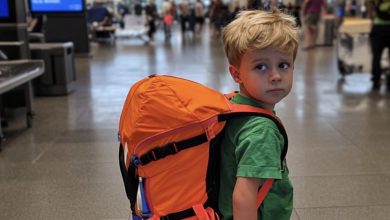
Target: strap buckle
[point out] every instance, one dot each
(135, 162)
(162, 152)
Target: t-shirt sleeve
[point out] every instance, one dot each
(258, 151)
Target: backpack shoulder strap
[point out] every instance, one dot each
(238, 110)
(263, 191)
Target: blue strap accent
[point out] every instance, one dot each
(135, 161)
(145, 208)
(136, 217)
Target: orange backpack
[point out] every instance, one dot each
(169, 134)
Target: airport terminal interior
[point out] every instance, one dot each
(63, 164)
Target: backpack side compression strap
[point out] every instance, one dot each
(130, 179)
(179, 215)
(190, 212)
(172, 148)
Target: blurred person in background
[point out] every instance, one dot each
(295, 11)
(216, 17)
(122, 10)
(151, 16)
(339, 12)
(173, 9)
(168, 18)
(232, 11)
(311, 11)
(353, 8)
(199, 16)
(138, 10)
(270, 4)
(184, 10)
(255, 4)
(379, 11)
(98, 15)
(363, 9)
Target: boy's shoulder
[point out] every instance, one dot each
(246, 126)
(252, 123)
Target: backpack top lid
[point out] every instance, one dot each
(161, 103)
(382, 9)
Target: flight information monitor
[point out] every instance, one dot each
(56, 6)
(4, 9)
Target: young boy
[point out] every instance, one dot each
(261, 48)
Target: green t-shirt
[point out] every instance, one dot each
(252, 147)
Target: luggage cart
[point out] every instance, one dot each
(353, 47)
(16, 74)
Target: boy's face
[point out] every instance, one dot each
(265, 75)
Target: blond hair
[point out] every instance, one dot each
(257, 30)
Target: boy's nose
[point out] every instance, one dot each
(275, 75)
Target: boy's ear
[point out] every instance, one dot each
(235, 73)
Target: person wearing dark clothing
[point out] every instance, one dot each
(151, 15)
(199, 15)
(98, 18)
(232, 11)
(138, 8)
(122, 11)
(353, 8)
(380, 39)
(217, 16)
(99, 14)
(255, 4)
(311, 10)
(185, 13)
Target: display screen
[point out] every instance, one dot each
(4, 10)
(59, 6)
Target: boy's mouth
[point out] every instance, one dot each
(276, 90)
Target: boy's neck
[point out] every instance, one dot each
(259, 102)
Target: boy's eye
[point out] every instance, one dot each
(284, 65)
(261, 67)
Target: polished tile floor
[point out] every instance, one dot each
(66, 167)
